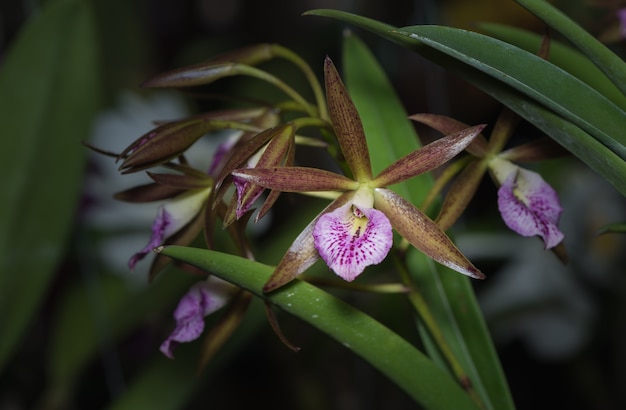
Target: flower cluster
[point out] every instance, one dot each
(354, 231)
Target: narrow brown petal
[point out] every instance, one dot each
(245, 150)
(296, 179)
(273, 320)
(162, 144)
(221, 332)
(147, 193)
(503, 129)
(300, 256)
(422, 232)
(274, 194)
(460, 194)
(427, 158)
(181, 181)
(447, 126)
(209, 71)
(274, 154)
(347, 124)
(537, 150)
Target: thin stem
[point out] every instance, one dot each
(446, 176)
(360, 287)
(264, 75)
(309, 74)
(421, 307)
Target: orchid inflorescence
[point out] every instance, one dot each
(356, 229)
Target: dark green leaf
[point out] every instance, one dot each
(533, 76)
(573, 138)
(562, 55)
(49, 91)
(612, 65)
(404, 364)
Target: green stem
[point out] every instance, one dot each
(421, 307)
(309, 74)
(265, 76)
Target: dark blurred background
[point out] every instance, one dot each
(140, 38)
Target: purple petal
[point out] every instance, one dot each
(202, 299)
(529, 206)
(349, 239)
(220, 156)
(159, 227)
(171, 217)
(247, 194)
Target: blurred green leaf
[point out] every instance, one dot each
(562, 55)
(169, 384)
(535, 77)
(448, 294)
(610, 63)
(612, 228)
(49, 91)
(107, 309)
(401, 362)
(597, 156)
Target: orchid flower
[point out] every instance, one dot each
(202, 299)
(355, 230)
(171, 217)
(527, 204)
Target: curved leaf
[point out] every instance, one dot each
(580, 143)
(401, 362)
(535, 77)
(562, 55)
(605, 59)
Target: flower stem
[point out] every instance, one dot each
(265, 76)
(309, 74)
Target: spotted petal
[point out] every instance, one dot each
(202, 299)
(349, 239)
(530, 206)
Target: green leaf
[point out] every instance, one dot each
(448, 294)
(404, 364)
(533, 76)
(49, 91)
(612, 65)
(561, 55)
(107, 309)
(597, 156)
(612, 228)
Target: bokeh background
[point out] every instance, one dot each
(559, 329)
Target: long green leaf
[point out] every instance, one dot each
(449, 295)
(562, 55)
(48, 95)
(612, 65)
(393, 356)
(533, 76)
(580, 143)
